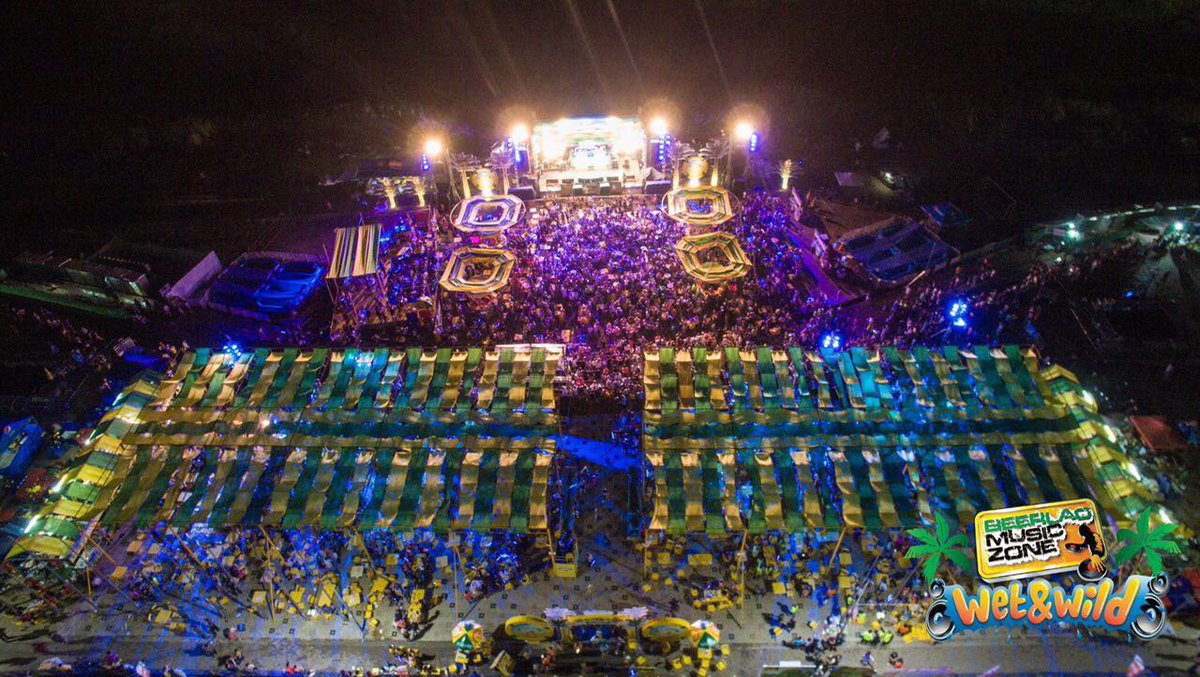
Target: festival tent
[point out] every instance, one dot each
(18, 441)
(445, 440)
(1157, 433)
(693, 250)
(785, 440)
(488, 215)
(477, 270)
(355, 251)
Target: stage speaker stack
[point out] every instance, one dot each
(524, 192)
(658, 187)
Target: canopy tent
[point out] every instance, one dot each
(355, 251)
(397, 439)
(477, 270)
(1157, 433)
(692, 251)
(444, 485)
(18, 441)
(699, 205)
(488, 215)
(768, 440)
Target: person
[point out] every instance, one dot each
(868, 660)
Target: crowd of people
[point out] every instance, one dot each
(47, 351)
(602, 275)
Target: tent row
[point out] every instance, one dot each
(375, 439)
(443, 485)
(374, 383)
(973, 383)
(870, 440)
(724, 489)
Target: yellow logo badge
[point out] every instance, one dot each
(1040, 539)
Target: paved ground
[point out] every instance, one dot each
(613, 583)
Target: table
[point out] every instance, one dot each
(163, 617)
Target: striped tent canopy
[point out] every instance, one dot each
(398, 439)
(694, 252)
(477, 270)
(765, 440)
(699, 205)
(443, 485)
(355, 251)
(488, 214)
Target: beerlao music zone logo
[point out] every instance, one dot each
(1030, 542)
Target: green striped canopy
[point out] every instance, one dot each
(397, 439)
(765, 440)
(355, 251)
(443, 485)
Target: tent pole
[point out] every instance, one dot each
(742, 570)
(271, 595)
(837, 546)
(271, 548)
(66, 581)
(457, 566)
(183, 546)
(90, 541)
(362, 544)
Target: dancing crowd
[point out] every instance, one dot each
(602, 276)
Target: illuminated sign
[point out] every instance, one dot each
(1040, 539)
(1136, 608)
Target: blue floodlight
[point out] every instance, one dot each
(752, 143)
(957, 313)
(425, 166)
(831, 341)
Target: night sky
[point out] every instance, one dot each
(80, 73)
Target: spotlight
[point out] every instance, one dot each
(658, 126)
(1179, 226)
(743, 130)
(831, 341)
(433, 147)
(752, 144)
(519, 133)
(957, 313)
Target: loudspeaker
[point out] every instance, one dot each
(658, 187)
(523, 192)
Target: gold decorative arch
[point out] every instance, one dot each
(735, 263)
(700, 205)
(488, 215)
(477, 270)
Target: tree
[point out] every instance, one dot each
(1142, 542)
(786, 170)
(935, 546)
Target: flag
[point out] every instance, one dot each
(1136, 667)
